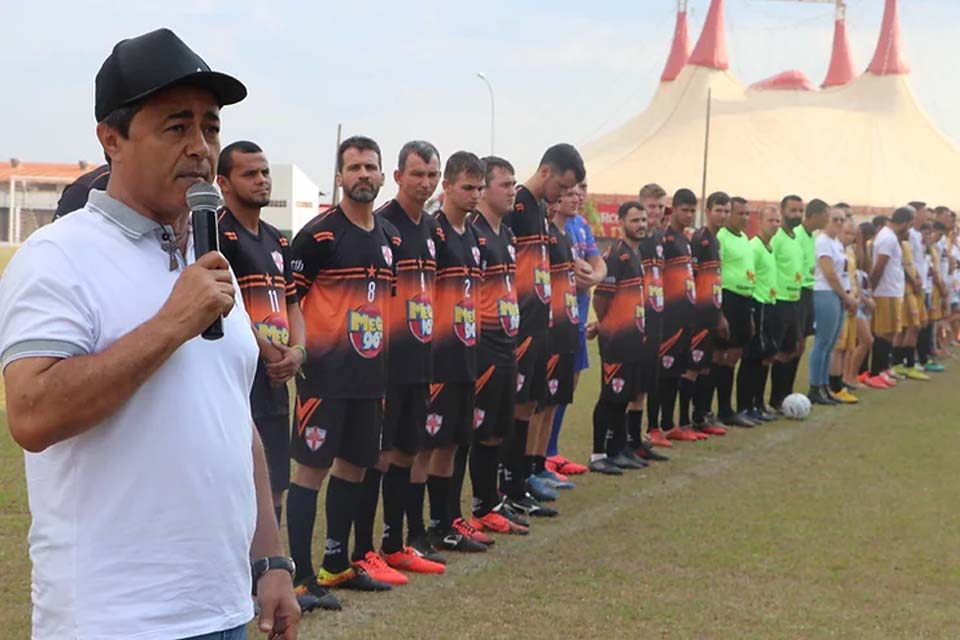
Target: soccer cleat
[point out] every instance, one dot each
(876, 382)
(375, 567)
(567, 467)
(863, 376)
(680, 435)
(818, 396)
(552, 468)
(710, 429)
(306, 600)
(901, 370)
(646, 452)
(845, 397)
(896, 376)
(453, 540)
(354, 578)
(530, 506)
(888, 378)
(497, 523)
(323, 596)
(622, 461)
(510, 514)
(422, 547)
(409, 560)
(739, 419)
(915, 374)
(541, 490)
(631, 455)
(935, 367)
(554, 482)
(465, 528)
(605, 466)
(657, 439)
(762, 415)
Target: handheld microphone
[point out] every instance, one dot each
(203, 200)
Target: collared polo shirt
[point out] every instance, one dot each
(141, 525)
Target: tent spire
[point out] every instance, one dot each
(711, 49)
(888, 58)
(841, 70)
(680, 51)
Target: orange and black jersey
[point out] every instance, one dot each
(679, 289)
(261, 264)
(345, 277)
(623, 328)
(410, 327)
(528, 221)
(705, 251)
(651, 250)
(456, 301)
(499, 310)
(564, 310)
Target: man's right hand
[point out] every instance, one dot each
(202, 293)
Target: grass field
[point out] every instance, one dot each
(843, 526)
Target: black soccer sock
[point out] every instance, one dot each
(878, 359)
(278, 512)
(761, 391)
(634, 428)
(910, 354)
(687, 387)
(456, 482)
(531, 464)
(747, 375)
(668, 402)
(396, 486)
(923, 343)
(416, 492)
(702, 396)
(513, 461)
(599, 428)
(653, 408)
(365, 514)
(483, 477)
(794, 366)
(836, 383)
(724, 380)
(341, 505)
(439, 489)
(301, 516)
(617, 426)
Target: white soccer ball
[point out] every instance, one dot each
(796, 406)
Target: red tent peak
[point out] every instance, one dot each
(711, 49)
(888, 58)
(680, 51)
(792, 80)
(841, 70)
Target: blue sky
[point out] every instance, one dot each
(562, 70)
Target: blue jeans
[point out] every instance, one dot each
(240, 633)
(829, 318)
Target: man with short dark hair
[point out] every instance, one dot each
(790, 309)
(344, 270)
(147, 481)
(887, 282)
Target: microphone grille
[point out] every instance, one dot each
(203, 195)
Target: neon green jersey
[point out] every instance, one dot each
(809, 255)
(789, 256)
(736, 263)
(765, 265)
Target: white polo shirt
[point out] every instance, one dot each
(891, 284)
(142, 525)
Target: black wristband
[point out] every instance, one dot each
(261, 566)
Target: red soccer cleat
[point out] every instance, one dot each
(409, 560)
(876, 382)
(713, 430)
(658, 439)
(886, 377)
(464, 528)
(681, 435)
(379, 570)
(498, 524)
(563, 466)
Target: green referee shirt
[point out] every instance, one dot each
(736, 263)
(809, 255)
(789, 257)
(765, 265)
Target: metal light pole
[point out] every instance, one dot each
(493, 110)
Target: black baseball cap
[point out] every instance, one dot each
(141, 66)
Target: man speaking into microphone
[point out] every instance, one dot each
(147, 483)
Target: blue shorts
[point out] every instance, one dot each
(581, 359)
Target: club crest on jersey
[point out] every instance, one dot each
(696, 355)
(691, 291)
(541, 284)
(660, 251)
(478, 417)
(432, 247)
(656, 298)
(571, 307)
(717, 295)
(509, 313)
(387, 255)
(553, 385)
(476, 254)
(365, 330)
(640, 318)
(512, 251)
(520, 380)
(315, 437)
(667, 362)
(465, 322)
(617, 385)
(420, 317)
(434, 422)
(277, 260)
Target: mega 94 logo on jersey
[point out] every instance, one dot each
(420, 317)
(365, 330)
(509, 313)
(465, 322)
(541, 284)
(572, 308)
